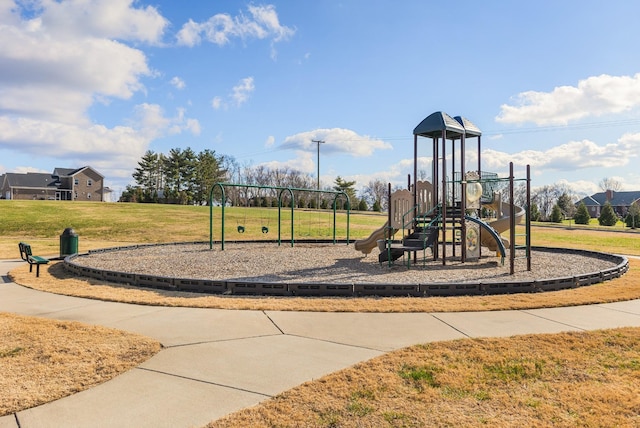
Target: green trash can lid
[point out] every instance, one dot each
(69, 232)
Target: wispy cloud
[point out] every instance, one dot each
(241, 92)
(594, 96)
(102, 19)
(178, 83)
(337, 140)
(261, 23)
(570, 156)
(239, 95)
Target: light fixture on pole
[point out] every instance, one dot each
(318, 142)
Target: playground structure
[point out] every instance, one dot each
(444, 215)
(280, 192)
(448, 212)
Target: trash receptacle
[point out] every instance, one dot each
(68, 242)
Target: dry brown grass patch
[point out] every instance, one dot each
(568, 379)
(55, 279)
(43, 360)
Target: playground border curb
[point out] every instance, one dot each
(320, 289)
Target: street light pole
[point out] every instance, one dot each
(318, 142)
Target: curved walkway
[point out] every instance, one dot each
(216, 361)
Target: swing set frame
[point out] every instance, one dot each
(281, 191)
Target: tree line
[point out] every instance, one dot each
(557, 202)
(185, 177)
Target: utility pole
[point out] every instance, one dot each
(318, 142)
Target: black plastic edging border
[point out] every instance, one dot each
(318, 289)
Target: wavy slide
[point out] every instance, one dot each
(501, 225)
(367, 245)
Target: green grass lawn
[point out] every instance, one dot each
(42, 222)
(98, 224)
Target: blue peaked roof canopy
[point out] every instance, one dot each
(434, 125)
(470, 129)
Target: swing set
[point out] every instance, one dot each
(281, 192)
(264, 219)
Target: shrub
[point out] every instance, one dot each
(607, 216)
(556, 214)
(535, 213)
(632, 219)
(582, 214)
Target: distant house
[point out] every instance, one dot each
(65, 184)
(620, 202)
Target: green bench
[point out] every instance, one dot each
(27, 255)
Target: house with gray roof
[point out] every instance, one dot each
(64, 184)
(620, 202)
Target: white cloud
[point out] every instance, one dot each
(581, 188)
(261, 23)
(303, 162)
(594, 96)
(239, 95)
(270, 141)
(113, 151)
(55, 64)
(46, 75)
(25, 169)
(217, 103)
(570, 156)
(178, 83)
(104, 19)
(66, 140)
(336, 140)
(152, 122)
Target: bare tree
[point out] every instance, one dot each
(610, 184)
(376, 192)
(547, 196)
(520, 194)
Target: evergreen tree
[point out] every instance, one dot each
(556, 214)
(131, 194)
(607, 216)
(535, 213)
(362, 205)
(376, 207)
(633, 216)
(566, 205)
(148, 175)
(180, 167)
(207, 173)
(347, 188)
(582, 214)
(189, 176)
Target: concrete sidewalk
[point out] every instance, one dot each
(217, 361)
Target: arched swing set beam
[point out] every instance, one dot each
(282, 190)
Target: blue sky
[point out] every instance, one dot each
(553, 84)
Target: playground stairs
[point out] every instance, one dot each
(419, 240)
(434, 218)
